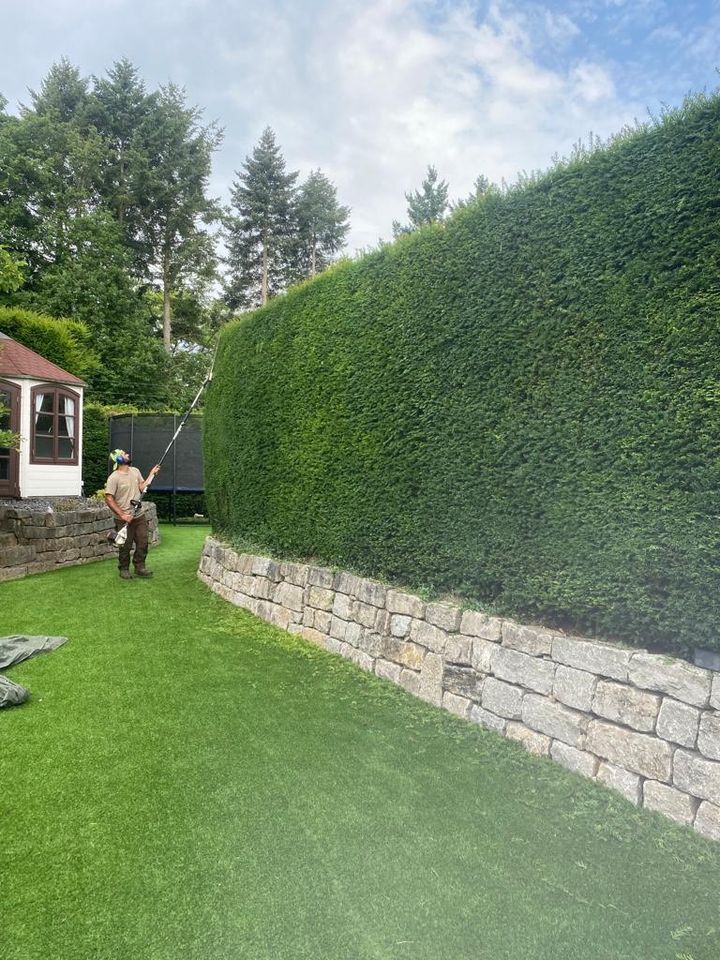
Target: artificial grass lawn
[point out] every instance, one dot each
(189, 782)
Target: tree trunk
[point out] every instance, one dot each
(264, 281)
(167, 312)
(312, 258)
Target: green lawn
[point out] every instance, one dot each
(188, 783)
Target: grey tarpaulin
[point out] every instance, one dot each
(15, 649)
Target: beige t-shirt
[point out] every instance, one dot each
(124, 487)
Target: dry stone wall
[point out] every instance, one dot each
(645, 725)
(37, 542)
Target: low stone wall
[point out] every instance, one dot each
(36, 542)
(645, 725)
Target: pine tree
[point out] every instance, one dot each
(427, 205)
(261, 226)
(170, 181)
(322, 223)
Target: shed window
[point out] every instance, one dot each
(55, 418)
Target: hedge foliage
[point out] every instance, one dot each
(65, 342)
(520, 407)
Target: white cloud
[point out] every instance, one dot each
(370, 92)
(379, 92)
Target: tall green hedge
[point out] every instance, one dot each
(65, 342)
(521, 407)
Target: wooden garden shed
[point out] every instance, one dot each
(44, 406)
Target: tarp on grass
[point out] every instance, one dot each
(14, 650)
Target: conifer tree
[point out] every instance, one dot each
(322, 223)
(427, 205)
(261, 226)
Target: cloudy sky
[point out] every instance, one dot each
(372, 92)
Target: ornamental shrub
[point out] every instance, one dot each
(519, 408)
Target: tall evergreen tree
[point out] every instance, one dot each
(118, 106)
(322, 223)
(261, 226)
(427, 205)
(171, 180)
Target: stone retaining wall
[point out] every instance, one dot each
(34, 542)
(645, 725)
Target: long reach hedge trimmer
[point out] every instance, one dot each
(119, 537)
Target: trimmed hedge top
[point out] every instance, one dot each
(520, 407)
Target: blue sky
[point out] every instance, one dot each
(371, 92)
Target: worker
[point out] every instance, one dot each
(124, 485)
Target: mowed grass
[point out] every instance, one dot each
(188, 782)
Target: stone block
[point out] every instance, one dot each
(678, 722)
(487, 719)
(261, 566)
(347, 583)
(578, 761)
(361, 659)
(636, 752)
(557, 721)
(308, 617)
(707, 821)
(669, 801)
(323, 619)
(502, 699)
(370, 642)
(388, 671)
(290, 596)
(343, 606)
(307, 633)
(621, 780)
(533, 742)
(382, 621)
(430, 687)
(365, 614)
(399, 625)
(715, 694)
(460, 706)
(411, 655)
(320, 577)
(475, 623)
(410, 681)
(369, 591)
(535, 641)
(13, 573)
(405, 603)
(443, 615)
(280, 616)
(338, 628)
(354, 634)
(295, 573)
(575, 688)
(592, 656)
(622, 704)
(708, 742)
(483, 654)
(428, 635)
(462, 681)
(458, 650)
(320, 598)
(524, 670)
(676, 678)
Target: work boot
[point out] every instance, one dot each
(142, 571)
(125, 574)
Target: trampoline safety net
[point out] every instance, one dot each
(146, 435)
